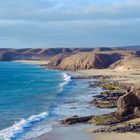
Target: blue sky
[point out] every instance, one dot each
(69, 23)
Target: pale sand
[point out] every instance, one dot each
(35, 62)
(73, 132)
(116, 136)
(126, 76)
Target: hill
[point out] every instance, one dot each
(78, 58)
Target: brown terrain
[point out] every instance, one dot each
(117, 70)
(78, 59)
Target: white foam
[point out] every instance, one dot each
(66, 79)
(18, 128)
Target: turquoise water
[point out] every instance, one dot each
(33, 99)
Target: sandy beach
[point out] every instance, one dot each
(35, 62)
(75, 132)
(116, 136)
(125, 76)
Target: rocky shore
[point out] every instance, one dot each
(126, 97)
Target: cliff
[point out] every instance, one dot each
(78, 58)
(97, 59)
(86, 60)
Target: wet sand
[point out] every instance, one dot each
(74, 132)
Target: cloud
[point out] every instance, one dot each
(61, 10)
(62, 23)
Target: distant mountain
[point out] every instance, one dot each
(44, 53)
(135, 47)
(78, 58)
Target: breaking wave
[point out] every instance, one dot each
(66, 79)
(15, 131)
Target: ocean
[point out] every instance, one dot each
(33, 99)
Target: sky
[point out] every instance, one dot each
(69, 23)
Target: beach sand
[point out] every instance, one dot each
(125, 76)
(35, 62)
(76, 133)
(73, 132)
(116, 136)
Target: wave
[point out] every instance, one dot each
(15, 131)
(66, 78)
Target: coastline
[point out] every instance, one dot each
(131, 77)
(123, 76)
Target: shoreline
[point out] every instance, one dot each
(75, 132)
(125, 77)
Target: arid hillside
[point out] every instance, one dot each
(78, 58)
(97, 60)
(131, 62)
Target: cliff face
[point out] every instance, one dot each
(96, 59)
(81, 61)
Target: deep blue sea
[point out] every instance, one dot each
(33, 99)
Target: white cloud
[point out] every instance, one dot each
(69, 22)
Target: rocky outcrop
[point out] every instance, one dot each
(130, 102)
(105, 119)
(107, 99)
(76, 119)
(119, 129)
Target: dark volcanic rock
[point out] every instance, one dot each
(76, 119)
(107, 99)
(110, 119)
(119, 129)
(106, 119)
